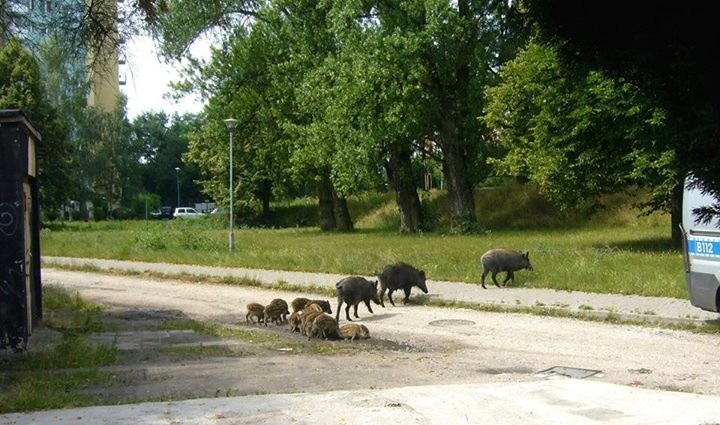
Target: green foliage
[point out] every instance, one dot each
(21, 87)
(183, 234)
(155, 239)
(143, 204)
(575, 134)
(57, 299)
(191, 240)
(339, 86)
(161, 142)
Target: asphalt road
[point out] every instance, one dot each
(444, 366)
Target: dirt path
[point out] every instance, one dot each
(410, 345)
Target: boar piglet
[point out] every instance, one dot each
(298, 304)
(255, 310)
(354, 331)
(324, 326)
(276, 311)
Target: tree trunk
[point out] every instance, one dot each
(406, 195)
(265, 193)
(343, 222)
(326, 203)
(460, 194)
(676, 212)
(453, 113)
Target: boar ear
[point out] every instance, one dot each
(422, 273)
(527, 254)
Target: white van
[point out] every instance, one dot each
(701, 252)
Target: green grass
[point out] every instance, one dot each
(626, 258)
(55, 378)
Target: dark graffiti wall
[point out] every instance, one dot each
(13, 297)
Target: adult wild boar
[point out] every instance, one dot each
(400, 276)
(352, 291)
(503, 260)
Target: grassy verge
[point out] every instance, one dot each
(630, 258)
(55, 378)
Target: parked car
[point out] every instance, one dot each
(187, 212)
(164, 213)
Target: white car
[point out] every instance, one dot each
(186, 212)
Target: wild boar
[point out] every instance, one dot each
(255, 310)
(495, 261)
(354, 331)
(300, 303)
(294, 321)
(400, 276)
(324, 326)
(352, 291)
(276, 311)
(307, 321)
(312, 308)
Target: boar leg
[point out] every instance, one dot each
(510, 276)
(390, 291)
(367, 303)
(347, 311)
(407, 296)
(494, 275)
(382, 296)
(482, 280)
(337, 313)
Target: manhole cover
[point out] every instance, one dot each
(570, 372)
(451, 322)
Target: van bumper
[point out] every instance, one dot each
(703, 290)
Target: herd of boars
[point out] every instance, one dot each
(313, 318)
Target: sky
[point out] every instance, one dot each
(148, 78)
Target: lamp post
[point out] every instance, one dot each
(177, 183)
(231, 123)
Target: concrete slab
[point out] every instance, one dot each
(554, 401)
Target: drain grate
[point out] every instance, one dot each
(570, 372)
(446, 323)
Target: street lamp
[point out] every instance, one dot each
(231, 123)
(177, 182)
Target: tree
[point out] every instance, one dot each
(161, 142)
(468, 45)
(575, 134)
(359, 83)
(236, 83)
(401, 75)
(664, 48)
(107, 160)
(21, 88)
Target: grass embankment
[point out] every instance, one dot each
(613, 252)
